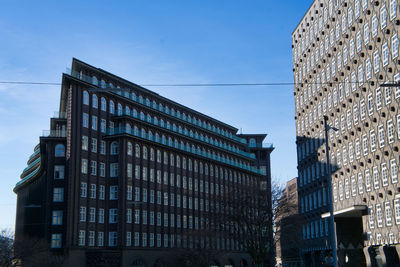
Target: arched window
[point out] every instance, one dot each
(119, 109)
(141, 115)
(160, 106)
(168, 125)
(85, 98)
(140, 99)
(171, 156)
(162, 123)
(133, 96)
(172, 111)
(135, 131)
(129, 150)
(112, 107)
(134, 113)
(147, 102)
(151, 154)
(144, 152)
(150, 135)
(143, 132)
(127, 111)
(95, 81)
(137, 151)
(103, 84)
(178, 114)
(163, 139)
(103, 104)
(157, 138)
(165, 157)
(155, 120)
(173, 127)
(154, 104)
(114, 148)
(59, 150)
(148, 117)
(95, 103)
(167, 109)
(128, 127)
(170, 143)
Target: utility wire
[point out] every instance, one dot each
(207, 84)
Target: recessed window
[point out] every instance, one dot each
(85, 98)
(57, 217)
(58, 194)
(56, 240)
(59, 150)
(58, 171)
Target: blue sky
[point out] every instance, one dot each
(149, 42)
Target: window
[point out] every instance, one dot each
(94, 101)
(85, 98)
(102, 169)
(113, 192)
(372, 140)
(385, 174)
(94, 122)
(114, 169)
(56, 240)
(83, 189)
(113, 216)
(375, 173)
(383, 16)
(371, 217)
(92, 215)
(395, 46)
(103, 126)
(103, 147)
(385, 54)
(85, 142)
(82, 214)
(393, 170)
(393, 9)
(91, 238)
(84, 167)
(102, 192)
(390, 130)
(103, 104)
(100, 239)
(93, 167)
(93, 191)
(112, 239)
(397, 210)
(57, 217)
(367, 180)
(58, 194)
(129, 215)
(112, 107)
(58, 171)
(101, 216)
(381, 136)
(59, 150)
(114, 148)
(379, 215)
(388, 214)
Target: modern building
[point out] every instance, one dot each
(343, 51)
(126, 177)
(288, 224)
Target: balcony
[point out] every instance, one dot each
(178, 130)
(125, 93)
(54, 133)
(182, 147)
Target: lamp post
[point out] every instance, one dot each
(331, 219)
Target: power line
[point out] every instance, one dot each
(207, 84)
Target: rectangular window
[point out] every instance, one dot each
(92, 215)
(102, 191)
(94, 145)
(395, 46)
(83, 189)
(388, 214)
(93, 191)
(58, 194)
(103, 147)
(100, 239)
(113, 192)
(114, 169)
(101, 216)
(57, 217)
(84, 166)
(81, 240)
(385, 174)
(379, 215)
(367, 180)
(113, 216)
(85, 120)
(56, 240)
(102, 169)
(82, 214)
(397, 210)
(58, 171)
(103, 124)
(371, 217)
(93, 167)
(112, 239)
(393, 171)
(385, 54)
(94, 122)
(91, 238)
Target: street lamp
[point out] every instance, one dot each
(331, 219)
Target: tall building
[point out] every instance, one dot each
(126, 177)
(343, 51)
(288, 223)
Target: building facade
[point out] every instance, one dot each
(126, 177)
(343, 51)
(288, 224)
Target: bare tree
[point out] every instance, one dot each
(36, 252)
(6, 247)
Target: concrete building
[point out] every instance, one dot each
(288, 224)
(126, 177)
(343, 51)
